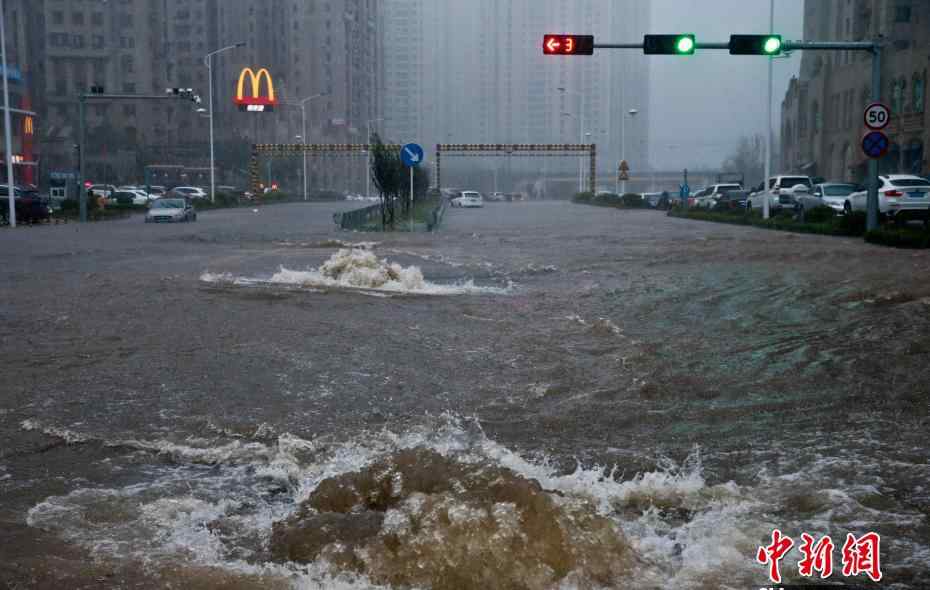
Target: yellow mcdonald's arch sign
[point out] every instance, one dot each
(28, 126)
(255, 101)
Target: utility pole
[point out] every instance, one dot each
(768, 120)
(8, 129)
(208, 61)
(368, 158)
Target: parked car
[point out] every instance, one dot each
(652, 199)
(468, 199)
(30, 206)
(187, 192)
(102, 190)
(717, 191)
(171, 209)
(829, 194)
(157, 191)
(699, 197)
(900, 197)
(496, 197)
(780, 193)
(732, 199)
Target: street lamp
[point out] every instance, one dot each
(208, 61)
(303, 117)
(632, 113)
(580, 96)
(7, 130)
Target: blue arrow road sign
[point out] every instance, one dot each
(684, 191)
(875, 144)
(411, 154)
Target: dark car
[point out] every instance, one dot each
(732, 199)
(30, 206)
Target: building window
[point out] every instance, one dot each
(897, 96)
(58, 17)
(902, 13)
(77, 18)
(129, 110)
(918, 93)
(96, 19)
(129, 88)
(97, 42)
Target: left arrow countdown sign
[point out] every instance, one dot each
(568, 44)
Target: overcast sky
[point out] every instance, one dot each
(702, 104)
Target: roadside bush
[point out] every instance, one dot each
(853, 224)
(899, 237)
(274, 197)
(69, 206)
(820, 214)
(633, 200)
(585, 197)
(609, 200)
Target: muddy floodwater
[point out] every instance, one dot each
(541, 395)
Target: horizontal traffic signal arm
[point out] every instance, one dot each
(764, 45)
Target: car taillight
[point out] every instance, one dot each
(894, 194)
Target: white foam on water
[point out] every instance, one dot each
(360, 269)
(687, 532)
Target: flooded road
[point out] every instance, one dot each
(541, 395)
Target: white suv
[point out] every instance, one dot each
(900, 196)
(780, 193)
(716, 191)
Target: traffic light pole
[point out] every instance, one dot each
(82, 126)
(873, 47)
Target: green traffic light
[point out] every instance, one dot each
(685, 45)
(772, 45)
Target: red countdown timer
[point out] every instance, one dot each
(568, 44)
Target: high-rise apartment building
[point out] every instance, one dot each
(822, 110)
(146, 46)
(474, 72)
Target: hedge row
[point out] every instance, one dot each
(626, 201)
(816, 222)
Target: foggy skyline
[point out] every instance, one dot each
(711, 99)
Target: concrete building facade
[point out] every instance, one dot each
(822, 113)
(146, 46)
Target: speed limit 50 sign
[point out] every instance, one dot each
(877, 116)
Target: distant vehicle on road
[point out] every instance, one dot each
(189, 192)
(828, 194)
(900, 197)
(496, 197)
(469, 199)
(780, 193)
(171, 210)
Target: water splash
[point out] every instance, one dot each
(360, 269)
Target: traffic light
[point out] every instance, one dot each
(756, 45)
(669, 44)
(568, 44)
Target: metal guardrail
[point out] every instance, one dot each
(357, 218)
(436, 216)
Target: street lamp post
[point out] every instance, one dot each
(208, 61)
(580, 96)
(303, 119)
(632, 113)
(368, 158)
(7, 130)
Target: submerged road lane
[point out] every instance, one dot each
(172, 392)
